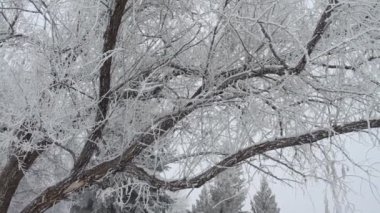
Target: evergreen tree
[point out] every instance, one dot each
(204, 203)
(264, 201)
(224, 196)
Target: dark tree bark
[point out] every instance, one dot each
(12, 174)
(110, 38)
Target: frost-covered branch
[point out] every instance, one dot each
(127, 88)
(123, 163)
(110, 38)
(262, 148)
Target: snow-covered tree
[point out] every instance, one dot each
(204, 203)
(264, 201)
(226, 194)
(98, 90)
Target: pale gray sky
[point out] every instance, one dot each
(362, 197)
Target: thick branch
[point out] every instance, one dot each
(252, 151)
(74, 183)
(12, 174)
(317, 35)
(110, 38)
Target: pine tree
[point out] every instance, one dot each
(226, 195)
(264, 201)
(204, 203)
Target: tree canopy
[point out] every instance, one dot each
(98, 91)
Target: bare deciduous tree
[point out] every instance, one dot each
(92, 91)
